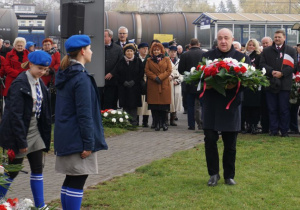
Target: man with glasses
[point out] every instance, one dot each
(122, 36)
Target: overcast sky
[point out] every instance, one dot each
(217, 2)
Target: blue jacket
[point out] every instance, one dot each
(17, 115)
(78, 122)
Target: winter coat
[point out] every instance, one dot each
(78, 122)
(17, 115)
(158, 93)
(129, 97)
(113, 54)
(188, 60)
(54, 66)
(271, 59)
(13, 67)
(214, 112)
(2, 69)
(251, 98)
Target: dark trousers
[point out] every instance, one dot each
(191, 97)
(264, 118)
(212, 155)
(110, 97)
(279, 111)
(294, 117)
(133, 113)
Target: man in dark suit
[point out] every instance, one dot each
(187, 61)
(122, 36)
(113, 54)
(279, 60)
(216, 118)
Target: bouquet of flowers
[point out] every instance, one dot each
(295, 91)
(115, 119)
(221, 74)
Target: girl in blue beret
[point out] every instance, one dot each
(26, 124)
(78, 133)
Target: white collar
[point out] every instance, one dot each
(76, 61)
(31, 79)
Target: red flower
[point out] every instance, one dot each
(237, 69)
(203, 67)
(243, 69)
(2, 207)
(198, 67)
(13, 202)
(11, 154)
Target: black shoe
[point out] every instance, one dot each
(165, 127)
(273, 134)
(173, 123)
(230, 182)
(185, 112)
(145, 125)
(191, 128)
(213, 180)
(285, 135)
(176, 119)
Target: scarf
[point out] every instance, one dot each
(20, 55)
(128, 60)
(248, 53)
(158, 58)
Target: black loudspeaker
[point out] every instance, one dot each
(72, 19)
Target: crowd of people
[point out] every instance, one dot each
(144, 80)
(259, 114)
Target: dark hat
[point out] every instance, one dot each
(76, 42)
(143, 44)
(174, 48)
(165, 44)
(129, 46)
(40, 58)
(29, 44)
(298, 44)
(7, 42)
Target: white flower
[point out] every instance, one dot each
(7, 206)
(1, 170)
(245, 64)
(113, 112)
(228, 60)
(126, 117)
(25, 204)
(119, 112)
(113, 120)
(192, 70)
(252, 68)
(125, 112)
(105, 114)
(263, 71)
(121, 119)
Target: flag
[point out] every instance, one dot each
(288, 60)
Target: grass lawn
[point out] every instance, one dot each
(267, 176)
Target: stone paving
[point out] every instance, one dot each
(126, 153)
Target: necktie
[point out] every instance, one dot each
(38, 101)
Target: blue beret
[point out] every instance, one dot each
(173, 48)
(40, 58)
(165, 44)
(143, 44)
(29, 44)
(76, 42)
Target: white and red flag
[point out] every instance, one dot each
(288, 60)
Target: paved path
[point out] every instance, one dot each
(126, 153)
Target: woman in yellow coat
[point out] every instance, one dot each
(158, 69)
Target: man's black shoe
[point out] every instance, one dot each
(285, 135)
(213, 181)
(230, 182)
(273, 134)
(191, 128)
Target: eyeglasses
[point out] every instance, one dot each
(122, 33)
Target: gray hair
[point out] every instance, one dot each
(239, 44)
(19, 39)
(123, 27)
(267, 37)
(110, 32)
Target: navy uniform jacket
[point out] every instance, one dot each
(78, 122)
(17, 115)
(215, 114)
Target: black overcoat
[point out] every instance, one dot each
(214, 112)
(251, 98)
(113, 54)
(17, 115)
(130, 97)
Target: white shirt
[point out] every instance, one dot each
(32, 81)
